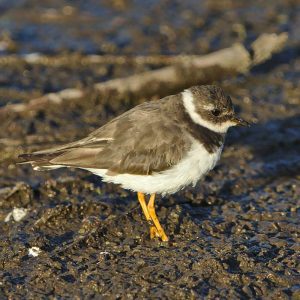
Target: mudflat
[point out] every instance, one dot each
(66, 235)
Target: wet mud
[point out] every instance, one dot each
(66, 235)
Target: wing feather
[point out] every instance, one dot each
(143, 140)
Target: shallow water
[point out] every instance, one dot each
(235, 236)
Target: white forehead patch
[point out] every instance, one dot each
(188, 102)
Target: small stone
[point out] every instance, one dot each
(17, 214)
(34, 251)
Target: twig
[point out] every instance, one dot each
(78, 59)
(34, 104)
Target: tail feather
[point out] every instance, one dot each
(79, 154)
(39, 162)
(80, 157)
(28, 157)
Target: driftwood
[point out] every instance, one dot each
(185, 72)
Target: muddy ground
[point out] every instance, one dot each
(234, 236)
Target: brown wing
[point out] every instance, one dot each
(149, 141)
(143, 140)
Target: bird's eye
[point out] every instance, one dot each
(216, 112)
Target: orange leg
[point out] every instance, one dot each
(153, 230)
(151, 210)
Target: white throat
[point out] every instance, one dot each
(188, 103)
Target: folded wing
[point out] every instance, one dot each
(141, 141)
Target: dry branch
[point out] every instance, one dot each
(86, 60)
(189, 71)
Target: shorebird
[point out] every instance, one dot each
(157, 147)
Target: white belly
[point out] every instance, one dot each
(189, 170)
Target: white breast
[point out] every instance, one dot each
(190, 169)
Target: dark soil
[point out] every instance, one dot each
(234, 236)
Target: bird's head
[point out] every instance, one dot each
(210, 107)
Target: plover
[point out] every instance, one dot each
(157, 147)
